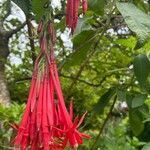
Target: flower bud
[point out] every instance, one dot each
(40, 27)
(84, 6)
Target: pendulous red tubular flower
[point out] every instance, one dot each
(52, 33)
(46, 123)
(72, 12)
(40, 27)
(84, 6)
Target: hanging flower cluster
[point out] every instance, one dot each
(72, 12)
(46, 123)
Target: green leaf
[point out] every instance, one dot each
(104, 100)
(144, 111)
(82, 44)
(129, 98)
(141, 68)
(38, 7)
(82, 25)
(138, 100)
(121, 94)
(146, 147)
(97, 6)
(128, 42)
(142, 5)
(136, 123)
(137, 20)
(25, 5)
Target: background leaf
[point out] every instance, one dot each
(104, 100)
(97, 6)
(82, 25)
(39, 8)
(136, 123)
(137, 21)
(146, 147)
(141, 65)
(138, 100)
(129, 42)
(82, 44)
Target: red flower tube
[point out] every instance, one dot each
(84, 6)
(46, 123)
(72, 12)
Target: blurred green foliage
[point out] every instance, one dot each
(9, 116)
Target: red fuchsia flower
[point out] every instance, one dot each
(40, 27)
(84, 6)
(72, 12)
(52, 32)
(46, 123)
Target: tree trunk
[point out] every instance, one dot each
(4, 52)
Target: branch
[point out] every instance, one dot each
(23, 79)
(3, 32)
(5, 8)
(72, 78)
(11, 32)
(8, 9)
(83, 81)
(86, 82)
